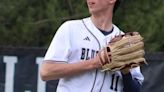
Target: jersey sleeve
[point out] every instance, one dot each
(59, 48)
(136, 73)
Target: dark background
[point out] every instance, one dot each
(26, 70)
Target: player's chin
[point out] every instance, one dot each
(94, 12)
(91, 11)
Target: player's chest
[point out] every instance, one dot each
(85, 45)
(85, 39)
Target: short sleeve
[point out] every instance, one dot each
(60, 45)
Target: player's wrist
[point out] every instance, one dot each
(96, 63)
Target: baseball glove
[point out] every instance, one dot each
(123, 50)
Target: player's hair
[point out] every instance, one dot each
(117, 4)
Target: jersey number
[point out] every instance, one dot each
(114, 82)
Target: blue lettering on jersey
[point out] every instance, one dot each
(87, 53)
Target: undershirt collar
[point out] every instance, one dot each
(106, 32)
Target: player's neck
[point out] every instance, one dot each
(103, 21)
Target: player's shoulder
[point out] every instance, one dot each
(117, 30)
(73, 22)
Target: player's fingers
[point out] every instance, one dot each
(135, 33)
(116, 38)
(131, 33)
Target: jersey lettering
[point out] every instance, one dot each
(114, 82)
(82, 53)
(87, 56)
(87, 53)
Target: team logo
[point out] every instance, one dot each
(87, 38)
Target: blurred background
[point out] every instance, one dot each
(28, 26)
(33, 23)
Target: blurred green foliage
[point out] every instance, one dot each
(146, 17)
(33, 23)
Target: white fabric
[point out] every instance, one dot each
(68, 44)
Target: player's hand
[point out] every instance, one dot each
(123, 50)
(97, 62)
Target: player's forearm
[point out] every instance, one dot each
(51, 71)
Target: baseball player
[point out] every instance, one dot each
(71, 56)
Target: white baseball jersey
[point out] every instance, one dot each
(79, 40)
